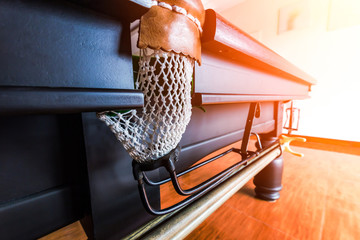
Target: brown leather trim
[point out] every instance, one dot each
(163, 29)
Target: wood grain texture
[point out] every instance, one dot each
(238, 226)
(222, 36)
(70, 232)
(341, 223)
(183, 223)
(319, 200)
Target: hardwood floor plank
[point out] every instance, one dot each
(341, 224)
(69, 232)
(345, 167)
(342, 215)
(238, 226)
(294, 215)
(299, 210)
(319, 200)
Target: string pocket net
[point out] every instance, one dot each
(165, 79)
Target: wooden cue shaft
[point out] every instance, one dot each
(184, 222)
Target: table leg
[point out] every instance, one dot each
(268, 181)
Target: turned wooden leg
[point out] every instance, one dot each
(268, 181)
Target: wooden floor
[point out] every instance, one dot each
(320, 200)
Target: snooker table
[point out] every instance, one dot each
(63, 61)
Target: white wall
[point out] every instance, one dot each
(331, 57)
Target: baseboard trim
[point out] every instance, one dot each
(327, 144)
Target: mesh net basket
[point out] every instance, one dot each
(152, 132)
